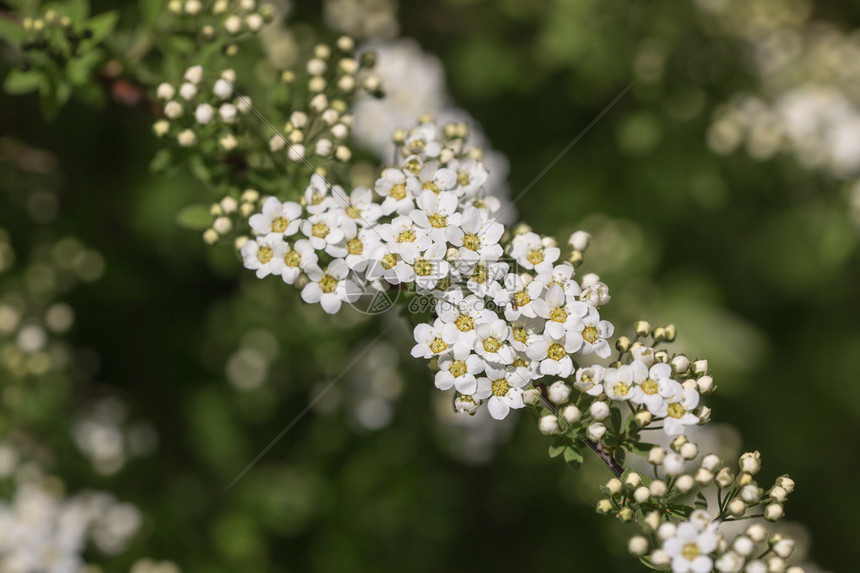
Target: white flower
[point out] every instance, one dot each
(588, 334)
(324, 233)
(358, 207)
(477, 238)
(504, 390)
(553, 354)
(435, 213)
(398, 192)
(729, 562)
(259, 255)
(317, 199)
(165, 91)
(619, 383)
(422, 139)
(677, 411)
(462, 315)
(471, 174)
(296, 259)
(432, 340)
(561, 315)
(435, 179)
(405, 238)
(521, 299)
(187, 91)
(173, 110)
(330, 288)
(690, 548)
(653, 386)
(282, 219)
(595, 293)
(227, 111)
(590, 380)
(491, 342)
(561, 275)
(458, 369)
(530, 252)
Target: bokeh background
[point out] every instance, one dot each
(721, 195)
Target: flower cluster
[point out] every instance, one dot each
(221, 20)
(201, 111)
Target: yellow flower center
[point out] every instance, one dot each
(317, 198)
(556, 352)
(406, 236)
(690, 551)
(558, 315)
(320, 230)
(413, 166)
(432, 187)
(520, 335)
(465, 323)
(389, 261)
(438, 221)
(479, 204)
(443, 284)
(521, 363)
(293, 259)
(458, 368)
(535, 257)
(590, 334)
(463, 178)
(650, 386)
(500, 387)
(675, 411)
(355, 246)
(438, 345)
(480, 274)
(398, 191)
(621, 389)
(423, 267)
(328, 284)
(522, 298)
(472, 242)
(264, 255)
(492, 344)
(280, 225)
(352, 212)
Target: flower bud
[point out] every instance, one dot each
(531, 397)
(703, 477)
(658, 488)
(579, 240)
(240, 242)
(604, 506)
(667, 530)
(795, 569)
(558, 392)
(652, 520)
(204, 113)
(705, 384)
(638, 545)
(689, 451)
(711, 462)
(614, 486)
(642, 494)
(187, 138)
(187, 91)
(571, 414)
(296, 152)
(680, 364)
(743, 545)
(777, 493)
(684, 483)
(785, 483)
(165, 91)
(775, 564)
(599, 410)
(625, 514)
(343, 153)
(773, 512)
(660, 558)
(210, 236)
(622, 344)
(750, 493)
(750, 462)
(173, 110)
(642, 327)
(548, 424)
(673, 464)
(757, 532)
(161, 127)
(724, 477)
(596, 431)
(784, 548)
(222, 225)
(643, 418)
(633, 479)
(656, 455)
(737, 507)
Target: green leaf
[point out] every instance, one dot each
(199, 169)
(11, 32)
(162, 160)
(102, 25)
(77, 10)
(557, 447)
(615, 417)
(150, 10)
(701, 502)
(641, 448)
(677, 510)
(573, 457)
(620, 455)
(18, 82)
(79, 70)
(194, 217)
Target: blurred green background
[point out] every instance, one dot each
(756, 262)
